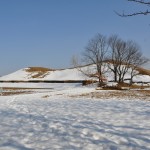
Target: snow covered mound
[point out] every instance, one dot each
(38, 73)
(27, 74)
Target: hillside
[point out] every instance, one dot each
(40, 73)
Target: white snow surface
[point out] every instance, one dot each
(61, 122)
(56, 119)
(67, 74)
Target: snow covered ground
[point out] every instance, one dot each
(67, 74)
(54, 120)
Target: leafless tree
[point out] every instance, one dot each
(118, 59)
(112, 60)
(119, 56)
(144, 12)
(130, 51)
(96, 53)
(124, 55)
(137, 60)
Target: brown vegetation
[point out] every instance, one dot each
(7, 91)
(125, 86)
(40, 71)
(143, 71)
(87, 82)
(119, 95)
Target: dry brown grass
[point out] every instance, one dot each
(18, 88)
(45, 96)
(40, 71)
(87, 82)
(124, 94)
(15, 93)
(125, 86)
(143, 71)
(8, 91)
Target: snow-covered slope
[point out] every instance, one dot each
(64, 74)
(18, 75)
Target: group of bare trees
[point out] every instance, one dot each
(125, 56)
(114, 54)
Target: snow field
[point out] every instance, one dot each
(30, 122)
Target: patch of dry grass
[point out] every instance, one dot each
(40, 71)
(7, 91)
(143, 71)
(18, 88)
(45, 96)
(122, 94)
(15, 93)
(125, 86)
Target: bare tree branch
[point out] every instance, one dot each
(144, 12)
(133, 14)
(140, 1)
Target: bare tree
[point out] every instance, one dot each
(112, 60)
(119, 56)
(144, 12)
(118, 59)
(137, 60)
(96, 53)
(130, 51)
(124, 56)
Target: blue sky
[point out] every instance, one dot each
(48, 33)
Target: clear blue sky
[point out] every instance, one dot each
(48, 32)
